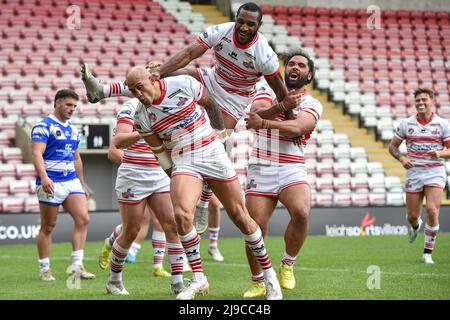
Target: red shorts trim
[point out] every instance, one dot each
(261, 194)
(293, 184)
(221, 180)
(131, 202)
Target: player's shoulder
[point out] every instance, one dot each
(128, 109)
(44, 122)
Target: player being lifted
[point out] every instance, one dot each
(169, 109)
(243, 56)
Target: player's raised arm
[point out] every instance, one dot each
(181, 59)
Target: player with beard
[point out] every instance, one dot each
(277, 168)
(243, 57)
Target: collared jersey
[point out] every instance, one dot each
(238, 67)
(62, 141)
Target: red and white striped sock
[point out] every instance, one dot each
(258, 277)
(213, 236)
(430, 238)
(205, 197)
(175, 251)
(116, 89)
(287, 259)
(159, 248)
(191, 245)
(118, 255)
(255, 242)
(117, 231)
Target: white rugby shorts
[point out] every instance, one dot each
(61, 191)
(133, 185)
(231, 104)
(270, 181)
(419, 177)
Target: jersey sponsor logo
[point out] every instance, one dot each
(186, 121)
(248, 65)
(423, 130)
(174, 94)
(182, 101)
(218, 47)
(250, 55)
(233, 55)
(436, 132)
(226, 39)
(205, 34)
(410, 130)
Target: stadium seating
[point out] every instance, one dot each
(391, 59)
(39, 48)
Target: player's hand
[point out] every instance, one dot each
(47, 185)
(297, 141)
(406, 162)
(292, 100)
(87, 193)
(153, 68)
(435, 154)
(253, 121)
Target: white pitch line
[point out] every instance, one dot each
(242, 265)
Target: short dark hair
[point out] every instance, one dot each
(300, 52)
(428, 91)
(252, 7)
(65, 93)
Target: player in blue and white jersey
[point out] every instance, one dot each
(60, 181)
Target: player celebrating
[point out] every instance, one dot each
(277, 168)
(427, 141)
(169, 109)
(60, 180)
(243, 56)
(140, 182)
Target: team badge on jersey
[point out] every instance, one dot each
(248, 65)
(152, 117)
(182, 101)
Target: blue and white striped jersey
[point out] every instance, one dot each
(62, 140)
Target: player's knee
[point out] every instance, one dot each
(48, 228)
(83, 220)
(301, 214)
(182, 216)
(131, 232)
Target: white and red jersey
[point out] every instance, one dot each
(269, 147)
(238, 67)
(176, 117)
(421, 137)
(138, 154)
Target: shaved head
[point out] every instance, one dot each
(136, 74)
(142, 86)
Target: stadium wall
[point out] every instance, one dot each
(432, 5)
(334, 222)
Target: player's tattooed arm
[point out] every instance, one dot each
(213, 110)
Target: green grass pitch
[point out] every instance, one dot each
(327, 268)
